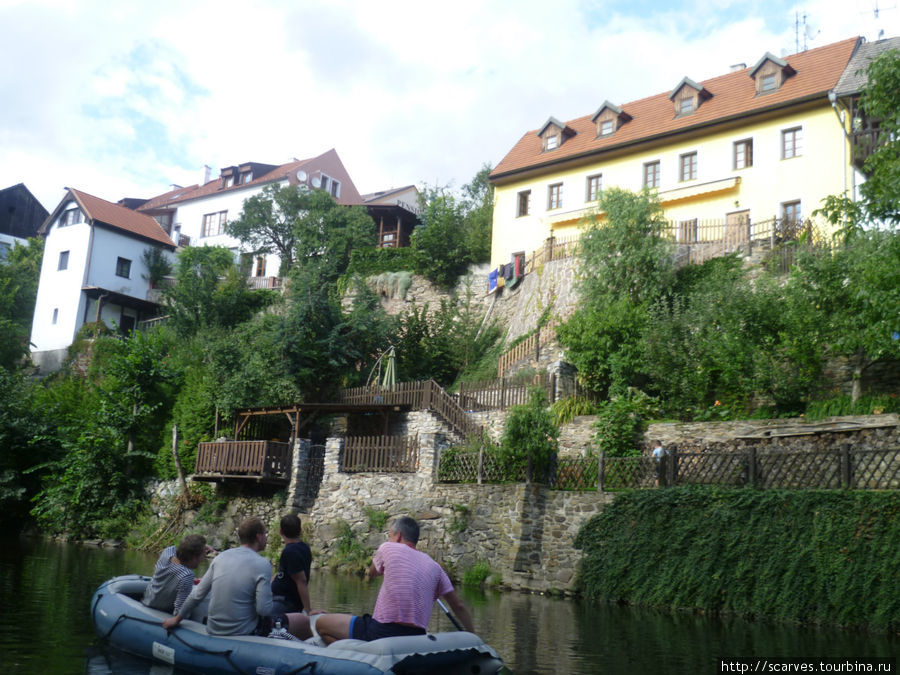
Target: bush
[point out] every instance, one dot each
(810, 556)
(619, 423)
(476, 575)
(531, 435)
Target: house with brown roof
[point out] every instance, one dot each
(93, 270)
(395, 212)
(763, 143)
(196, 215)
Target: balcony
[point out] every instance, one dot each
(260, 461)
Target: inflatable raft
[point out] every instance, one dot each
(121, 619)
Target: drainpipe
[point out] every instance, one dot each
(841, 115)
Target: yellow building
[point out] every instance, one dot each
(751, 151)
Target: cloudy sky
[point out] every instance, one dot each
(126, 98)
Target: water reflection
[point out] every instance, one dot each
(45, 591)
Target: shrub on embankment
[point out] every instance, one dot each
(817, 556)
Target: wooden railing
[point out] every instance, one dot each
(256, 283)
(419, 395)
(261, 459)
(387, 454)
(504, 392)
(530, 347)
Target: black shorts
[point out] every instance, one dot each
(366, 628)
(265, 624)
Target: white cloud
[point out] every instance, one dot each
(126, 98)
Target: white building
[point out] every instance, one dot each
(93, 270)
(196, 215)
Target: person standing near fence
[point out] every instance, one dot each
(659, 454)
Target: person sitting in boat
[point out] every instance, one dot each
(290, 590)
(237, 582)
(173, 576)
(413, 581)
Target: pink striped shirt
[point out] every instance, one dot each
(412, 582)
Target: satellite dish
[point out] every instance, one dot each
(302, 176)
(316, 181)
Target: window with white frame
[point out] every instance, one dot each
(214, 224)
(71, 217)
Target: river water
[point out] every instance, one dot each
(45, 591)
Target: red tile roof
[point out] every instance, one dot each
(121, 218)
(214, 186)
(733, 96)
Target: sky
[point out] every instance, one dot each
(125, 99)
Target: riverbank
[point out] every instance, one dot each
(818, 557)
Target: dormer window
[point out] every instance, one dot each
(246, 177)
(688, 96)
(71, 216)
(769, 73)
(553, 134)
(609, 118)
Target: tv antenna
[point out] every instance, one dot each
(808, 32)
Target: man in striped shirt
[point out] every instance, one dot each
(173, 576)
(412, 583)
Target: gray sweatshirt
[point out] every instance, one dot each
(238, 581)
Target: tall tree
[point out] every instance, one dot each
(626, 265)
(210, 291)
(19, 276)
(298, 223)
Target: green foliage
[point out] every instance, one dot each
(377, 519)
(814, 556)
(619, 424)
(854, 294)
(530, 434)
(158, 266)
(106, 430)
(210, 292)
(626, 266)
(567, 409)
(454, 232)
(461, 514)
(476, 575)
(369, 261)
(19, 274)
(124, 520)
(212, 510)
(845, 405)
(449, 344)
(25, 441)
(350, 555)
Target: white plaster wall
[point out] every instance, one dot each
(60, 289)
(108, 246)
(190, 217)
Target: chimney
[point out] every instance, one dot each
(737, 66)
(207, 171)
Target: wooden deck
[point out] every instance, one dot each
(262, 461)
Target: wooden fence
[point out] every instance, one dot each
(259, 459)
(504, 392)
(844, 468)
(419, 395)
(528, 348)
(386, 454)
